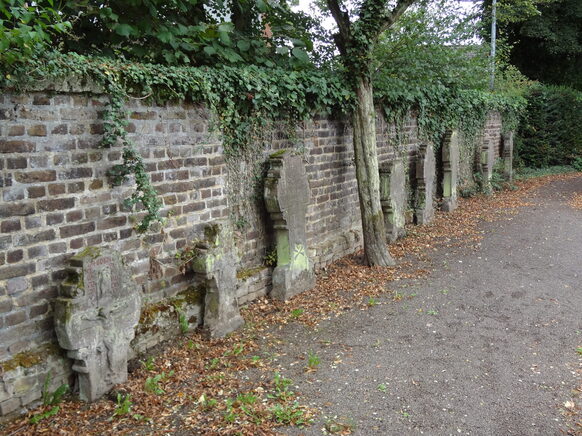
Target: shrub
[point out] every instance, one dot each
(550, 132)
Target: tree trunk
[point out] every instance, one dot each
(368, 177)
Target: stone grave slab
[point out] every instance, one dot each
(95, 318)
(393, 198)
(425, 184)
(216, 262)
(508, 156)
(450, 156)
(287, 197)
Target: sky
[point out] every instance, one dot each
(328, 22)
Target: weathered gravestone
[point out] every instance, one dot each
(508, 156)
(425, 178)
(486, 162)
(95, 317)
(393, 198)
(287, 198)
(450, 154)
(216, 262)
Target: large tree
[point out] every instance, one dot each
(544, 38)
(358, 33)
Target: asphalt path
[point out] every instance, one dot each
(485, 345)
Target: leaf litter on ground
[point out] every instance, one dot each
(230, 385)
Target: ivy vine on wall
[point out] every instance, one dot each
(245, 100)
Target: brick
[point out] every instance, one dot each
(76, 173)
(16, 285)
(14, 256)
(41, 100)
(11, 271)
(96, 184)
(36, 176)
(74, 215)
(36, 191)
(39, 281)
(61, 129)
(149, 115)
(96, 129)
(38, 161)
(75, 244)
(56, 188)
(37, 130)
(38, 310)
(54, 218)
(16, 146)
(76, 229)
(15, 318)
(16, 131)
(32, 222)
(31, 239)
(58, 247)
(94, 239)
(38, 251)
(9, 226)
(13, 194)
(76, 187)
(11, 210)
(16, 163)
(56, 204)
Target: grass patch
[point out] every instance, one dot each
(529, 173)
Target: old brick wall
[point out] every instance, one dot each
(56, 200)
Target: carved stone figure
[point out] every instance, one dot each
(216, 261)
(95, 317)
(287, 198)
(393, 198)
(425, 175)
(450, 154)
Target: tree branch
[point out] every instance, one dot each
(398, 10)
(342, 20)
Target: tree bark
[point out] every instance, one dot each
(368, 176)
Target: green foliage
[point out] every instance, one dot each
(50, 399)
(289, 414)
(176, 32)
(313, 360)
(27, 30)
(123, 405)
(545, 38)
(427, 63)
(47, 414)
(577, 164)
(528, 173)
(152, 384)
(53, 398)
(550, 133)
(245, 100)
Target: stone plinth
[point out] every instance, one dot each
(507, 156)
(425, 178)
(450, 156)
(287, 196)
(95, 317)
(216, 262)
(393, 198)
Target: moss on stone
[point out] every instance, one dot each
(30, 358)
(92, 252)
(243, 274)
(279, 153)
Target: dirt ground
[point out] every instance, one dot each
(484, 345)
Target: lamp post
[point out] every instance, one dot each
(493, 41)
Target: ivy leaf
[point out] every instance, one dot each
(124, 30)
(282, 50)
(300, 54)
(209, 50)
(243, 45)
